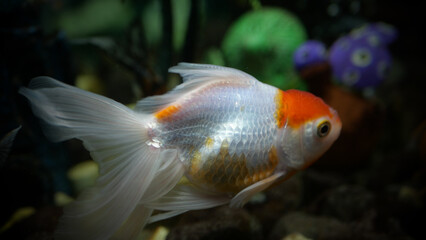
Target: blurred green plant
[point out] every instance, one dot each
(262, 42)
(105, 17)
(96, 17)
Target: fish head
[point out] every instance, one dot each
(311, 127)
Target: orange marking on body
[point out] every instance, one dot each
(265, 171)
(280, 108)
(298, 107)
(273, 157)
(196, 162)
(165, 113)
(227, 172)
(209, 142)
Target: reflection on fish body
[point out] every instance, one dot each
(230, 135)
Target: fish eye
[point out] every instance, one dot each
(323, 129)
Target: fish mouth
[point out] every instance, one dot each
(336, 118)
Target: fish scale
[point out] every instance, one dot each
(239, 123)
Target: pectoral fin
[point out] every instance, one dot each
(242, 197)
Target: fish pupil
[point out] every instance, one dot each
(323, 129)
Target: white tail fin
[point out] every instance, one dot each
(116, 136)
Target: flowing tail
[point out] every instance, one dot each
(132, 172)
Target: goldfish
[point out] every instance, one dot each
(227, 134)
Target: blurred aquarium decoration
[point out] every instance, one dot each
(255, 44)
(361, 59)
(365, 58)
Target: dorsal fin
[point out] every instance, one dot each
(206, 72)
(194, 76)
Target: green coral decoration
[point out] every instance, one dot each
(262, 42)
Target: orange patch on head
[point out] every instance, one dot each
(167, 112)
(297, 107)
